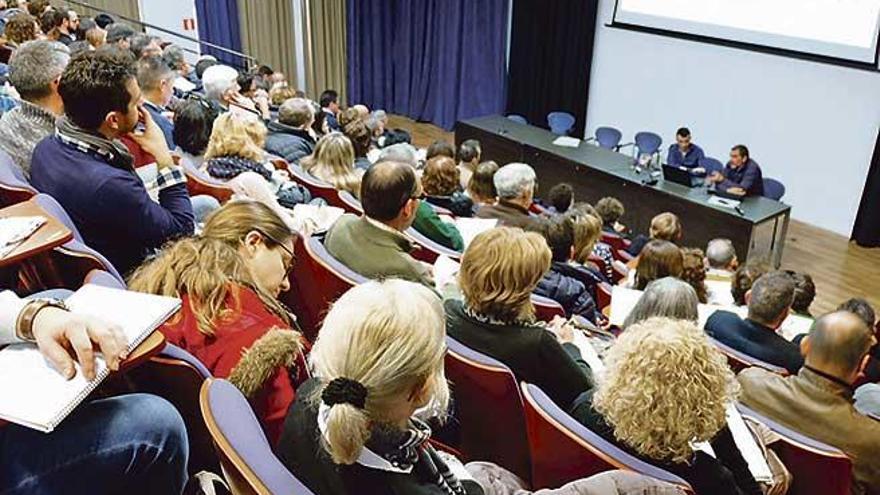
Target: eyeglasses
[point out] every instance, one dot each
(288, 266)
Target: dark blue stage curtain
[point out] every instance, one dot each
(218, 24)
(432, 60)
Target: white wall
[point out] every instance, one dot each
(810, 125)
(169, 14)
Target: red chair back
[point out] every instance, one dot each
(546, 309)
(317, 187)
(428, 250)
(350, 203)
(615, 241)
(603, 296)
(488, 408)
(739, 361)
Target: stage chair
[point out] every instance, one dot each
(773, 189)
(518, 118)
(560, 123)
(607, 137)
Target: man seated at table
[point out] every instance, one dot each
(769, 303)
(374, 244)
(817, 402)
(684, 153)
(742, 175)
(90, 173)
(515, 184)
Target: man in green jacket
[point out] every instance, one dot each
(374, 244)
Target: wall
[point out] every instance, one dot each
(169, 14)
(812, 126)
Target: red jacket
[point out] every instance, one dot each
(237, 332)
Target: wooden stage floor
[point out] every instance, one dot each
(840, 268)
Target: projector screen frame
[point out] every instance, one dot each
(744, 45)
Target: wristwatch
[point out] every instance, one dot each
(24, 325)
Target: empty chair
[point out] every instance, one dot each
(647, 143)
(773, 189)
(815, 466)
(14, 188)
(249, 465)
(518, 118)
(739, 361)
(560, 123)
(428, 250)
(488, 408)
(563, 450)
(711, 165)
(608, 137)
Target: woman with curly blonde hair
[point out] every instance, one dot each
(666, 388)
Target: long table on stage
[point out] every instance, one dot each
(594, 172)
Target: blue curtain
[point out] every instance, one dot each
(218, 24)
(432, 60)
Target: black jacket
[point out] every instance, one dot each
(458, 203)
(289, 143)
(568, 291)
(755, 340)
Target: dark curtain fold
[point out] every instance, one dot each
(433, 60)
(218, 24)
(866, 231)
(551, 52)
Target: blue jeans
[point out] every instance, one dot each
(130, 444)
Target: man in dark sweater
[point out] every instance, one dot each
(769, 303)
(90, 173)
(289, 137)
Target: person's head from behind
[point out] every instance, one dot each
(560, 237)
(804, 292)
(469, 153)
(36, 8)
(770, 299)
(329, 100)
(297, 113)
(860, 308)
(440, 177)
(96, 37)
(348, 116)
(399, 152)
(739, 155)
(103, 20)
(193, 123)
(610, 209)
(54, 23)
(237, 134)
(156, 79)
(683, 139)
(838, 344)
(319, 125)
(203, 64)
(561, 197)
(500, 269)
(21, 28)
(333, 156)
(247, 83)
(396, 136)
(694, 271)
(587, 230)
(390, 194)
(144, 45)
(279, 94)
(221, 84)
(666, 227)
(667, 297)
(377, 122)
(35, 71)
(481, 187)
(744, 277)
(120, 35)
(722, 255)
(670, 368)
(379, 355)
(515, 183)
(658, 259)
(174, 58)
(101, 93)
(360, 137)
(82, 26)
(440, 147)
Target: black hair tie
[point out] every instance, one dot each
(345, 391)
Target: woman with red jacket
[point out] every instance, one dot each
(229, 279)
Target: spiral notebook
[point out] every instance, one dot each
(33, 394)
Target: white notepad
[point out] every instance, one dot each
(34, 394)
(15, 230)
(472, 227)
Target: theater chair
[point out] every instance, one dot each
(815, 466)
(317, 280)
(249, 465)
(317, 187)
(739, 361)
(104, 279)
(350, 203)
(603, 296)
(488, 409)
(615, 241)
(198, 182)
(563, 450)
(14, 188)
(428, 250)
(546, 309)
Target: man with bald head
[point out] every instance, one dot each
(373, 244)
(818, 401)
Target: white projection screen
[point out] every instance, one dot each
(845, 30)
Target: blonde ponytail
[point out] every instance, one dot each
(348, 429)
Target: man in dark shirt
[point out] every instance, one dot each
(769, 303)
(684, 153)
(742, 175)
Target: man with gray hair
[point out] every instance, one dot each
(722, 266)
(221, 88)
(35, 71)
(290, 137)
(515, 183)
(156, 80)
(174, 58)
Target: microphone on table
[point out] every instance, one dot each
(739, 210)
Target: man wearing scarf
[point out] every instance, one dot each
(90, 172)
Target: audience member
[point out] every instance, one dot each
(744, 277)
(499, 271)
(221, 88)
(863, 310)
(96, 37)
(204, 63)
(34, 70)
(156, 80)
(468, 159)
(289, 136)
(441, 184)
(37, 8)
(193, 123)
(659, 259)
(333, 163)
(230, 319)
(21, 28)
(817, 401)
(377, 123)
(120, 35)
(374, 244)
(82, 26)
(669, 368)
(78, 47)
(769, 302)
(90, 173)
(481, 187)
(684, 153)
(361, 141)
(515, 184)
(440, 147)
(722, 260)
(610, 211)
(666, 297)
(329, 101)
(174, 57)
(56, 26)
(319, 126)
(804, 293)
(694, 272)
(347, 116)
(103, 20)
(587, 231)
(558, 283)
(742, 175)
(73, 27)
(560, 198)
(665, 227)
(598, 249)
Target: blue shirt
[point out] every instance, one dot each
(748, 177)
(691, 159)
(166, 125)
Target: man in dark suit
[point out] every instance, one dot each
(330, 105)
(769, 303)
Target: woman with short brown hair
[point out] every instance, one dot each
(440, 180)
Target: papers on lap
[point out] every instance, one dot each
(15, 230)
(472, 227)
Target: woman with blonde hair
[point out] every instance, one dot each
(229, 280)
(666, 388)
(499, 271)
(333, 163)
